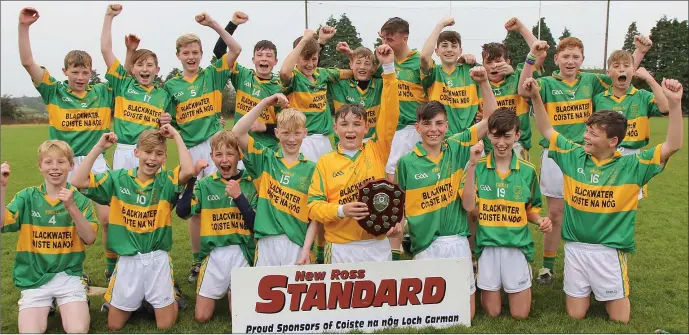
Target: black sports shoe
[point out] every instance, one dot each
(194, 272)
(179, 297)
(545, 277)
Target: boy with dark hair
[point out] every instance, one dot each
(507, 199)
(431, 174)
(567, 94)
(226, 203)
(601, 197)
(636, 105)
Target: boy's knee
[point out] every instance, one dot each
(576, 313)
(76, 328)
(520, 314)
(34, 328)
(493, 311)
(165, 324)
(115, 325)
(203, 316)
(620, 318)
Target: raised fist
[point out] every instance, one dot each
(107, 140)
(467, 59)
(475, 153)
(513, 24)
(113, 10)
(531, 87)
(642, 43)
(478, 74)
(539, 48)
(199, 166)
(239, 18)
(384, 54)
(673, 90)
(204, 19)
(131, 41)
(28, 15)
(325, 34)
(5, 170)
(447, 21)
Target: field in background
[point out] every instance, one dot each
(658, 271)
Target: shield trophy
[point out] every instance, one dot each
(385, 201)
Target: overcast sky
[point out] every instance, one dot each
(68, 25)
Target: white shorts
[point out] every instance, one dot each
(403, 143)
(203, 151)
(358, 251)
(314, 146)
(453, 246)
(99, 166)
(552, 182)
(519, 150)
(143, 276)
(595, 268)
(501, 267)
(643, 192)
(215, 276)
(277, 250)
(63, 288)
(124, 158)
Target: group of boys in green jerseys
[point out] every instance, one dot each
(255, 179)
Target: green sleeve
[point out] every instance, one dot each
(13, 212)
(330, 75)
(236, 74)
(172, 188)
(47, 87)
(86, 208)
(427, 79)
(651, 104)
(221, 73)
(600, 83)
(289, 88)
(648, 164)
(118, 77)
(254, 159)
(195, 200)
(101, 187)
(251, 194)
(565, 153)
(535, 203)
(401, 174)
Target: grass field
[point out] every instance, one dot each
(658, 271)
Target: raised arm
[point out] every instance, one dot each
(235, 49)
(325, 34)
(538, 49)
(428, 48)
(389, 103)
(542, 121)
(661, 99)
(513, 24)
(291, 59)
(131, 42)
(186, 163)
(642, 44)
(480, 76)
(80, 176)
(84, 229)
(673, 90)
(220, 47)
(469, 188)
(243, 125)
(106, 34)
(27, 16)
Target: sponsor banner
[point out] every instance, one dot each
(333, 298)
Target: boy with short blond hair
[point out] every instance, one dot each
(196, 106)
(567, 94)
(285, 234)
(140, 231)
(225, 201)
(54, 222)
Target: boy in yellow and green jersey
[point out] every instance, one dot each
(504, 81)
(601, 187)
(253, 85)
(305, 85)
(334, 188)
(196, 107)
(504, 190)
(54, 222)
(284, 232)
(568, 94)
(430, 175)
(138, 104)
(226, 202)
(140, 228)
(636, 105)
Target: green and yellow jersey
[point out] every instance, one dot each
(433, 205)
(79, 120)
(222, 223)
(349, 92)
(637, 106)
(139, 211)
(569, 104)
(456, 91)
(137, 108)
(49, 242)
(250, 91)
(282, 192)
(504, 202)
(410, 90)
(197, 102)
(310, 98)
(338, 176)
(601, 197)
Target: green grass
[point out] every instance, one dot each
(658, 271)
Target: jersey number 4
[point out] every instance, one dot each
(52, 220)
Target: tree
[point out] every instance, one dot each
(379, 42)
(629, 38)
(173, 73)
(565, 34)
(10, 111)
(158, 80)
(549, 63)
(517, 47)
(214, 59)
(346, 32)
(668, 57)
(95, 78)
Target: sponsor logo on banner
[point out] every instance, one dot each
(333, 298)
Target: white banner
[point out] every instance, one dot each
(333, 298)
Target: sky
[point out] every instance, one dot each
(68, 25)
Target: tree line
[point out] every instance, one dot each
(668, 58)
